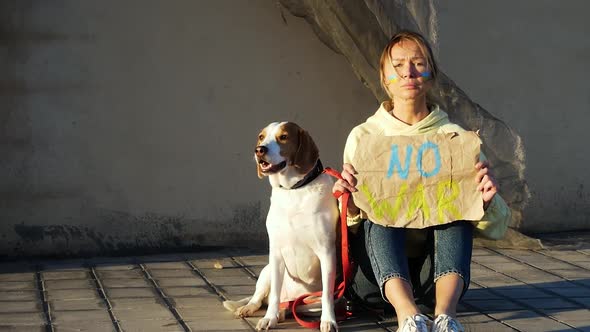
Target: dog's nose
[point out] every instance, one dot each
(261, 150)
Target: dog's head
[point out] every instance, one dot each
(284, 144)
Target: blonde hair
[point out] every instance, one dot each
(398, 38)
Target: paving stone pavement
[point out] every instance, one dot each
(511, 290)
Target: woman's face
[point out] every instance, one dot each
(407, 75)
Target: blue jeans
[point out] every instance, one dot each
(380, 254)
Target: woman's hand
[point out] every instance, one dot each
(486, 182)
(348, 184)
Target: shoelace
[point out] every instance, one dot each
(417, 322)
(447, 323)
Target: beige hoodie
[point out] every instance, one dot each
(497, 216)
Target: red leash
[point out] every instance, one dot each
(346, 266)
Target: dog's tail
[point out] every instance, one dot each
(233, 305)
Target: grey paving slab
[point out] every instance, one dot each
(232, 280)
(136, 303)
(492, 259)
(223, 262)
(497, 281)
(175, 282)
(571, 292)
(529, 321)
(24, 295)
(219, 325)
(234, 292)
(78, 326)
(489, 326)
(567, 255)
(83, 304)
(17, 285)
(23, 328)
(22, 318)
(523, 292)
(73, 274)
(508, 267)
(256, 270)
(255, 260)
(70, 284)
(131, 292)
(573, 273)
(125, 283)
(204, 302)
(60, 317)
(534, 277)
(213, 312)
(21, 306)
(494, 305)
(360, 324)
(550, 303)
(28, 276)
(584, 301)
(187, 291)
(169, 273)
(570, 315)
(148, 325)
(72, 294)
(100, 267)
(225, 272)
(145, 312)
(167, 266)
(120, 274)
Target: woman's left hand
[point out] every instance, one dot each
(486, 182)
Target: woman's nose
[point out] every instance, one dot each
(407, 71)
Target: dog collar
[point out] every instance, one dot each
(312, 175)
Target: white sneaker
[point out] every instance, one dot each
(416, 323)
(446, 323)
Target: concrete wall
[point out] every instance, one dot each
(130, 126)
(527, 63)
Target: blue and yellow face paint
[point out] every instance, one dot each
(394, 78)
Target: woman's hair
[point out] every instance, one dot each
(422, 44)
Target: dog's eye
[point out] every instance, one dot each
(283, 137)
(260, 137)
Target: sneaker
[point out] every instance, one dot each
(416, 323)
(446, 323)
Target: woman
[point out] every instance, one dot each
(399, 257)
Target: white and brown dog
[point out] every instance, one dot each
(301, 226)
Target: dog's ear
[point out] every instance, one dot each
(307, 153)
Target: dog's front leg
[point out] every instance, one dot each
(328, 265)
(277, 271)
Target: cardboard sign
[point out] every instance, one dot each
(418, 181)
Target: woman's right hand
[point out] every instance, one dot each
(347, 184)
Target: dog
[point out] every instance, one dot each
(301, 223)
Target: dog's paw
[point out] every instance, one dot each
(266, 323)
(247, 310)
(328, 326)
